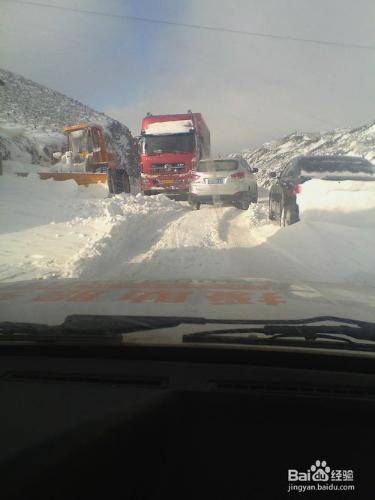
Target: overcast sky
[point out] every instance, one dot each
(249, 89)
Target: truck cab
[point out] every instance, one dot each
(170, 146)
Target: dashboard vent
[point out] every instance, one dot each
(301, 389)
(88, 378)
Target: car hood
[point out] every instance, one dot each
(50, 301)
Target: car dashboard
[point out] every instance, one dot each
(153, 423)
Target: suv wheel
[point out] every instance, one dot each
(195, 205)
(289, 216)
(244, 202)
(271, 213)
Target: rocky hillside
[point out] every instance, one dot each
(273, 156)
(32, 118)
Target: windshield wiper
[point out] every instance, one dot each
(98, 327)
(357, 334)
(82, 323)
(90, 327)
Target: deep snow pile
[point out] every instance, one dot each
(32, 118)
(347, 202)
(59, 229)
(46, 227)
(273, 156)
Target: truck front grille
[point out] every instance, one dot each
(163, 168)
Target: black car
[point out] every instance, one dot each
(283, 205)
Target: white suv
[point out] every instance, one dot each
(227, 181)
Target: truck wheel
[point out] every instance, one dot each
(118, 181)
(110, 182)
(126, 182)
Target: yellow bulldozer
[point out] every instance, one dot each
(90, 159)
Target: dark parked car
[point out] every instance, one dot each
(283, 205)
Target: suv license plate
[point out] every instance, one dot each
(219, 180)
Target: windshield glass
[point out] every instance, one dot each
(78, 141)
(217, 166)
(179, 143)
(220, 167)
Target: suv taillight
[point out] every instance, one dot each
(297, 189)
(238, 175)
(194, 176)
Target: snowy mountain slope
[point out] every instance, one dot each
(273, 156)
(32, 117)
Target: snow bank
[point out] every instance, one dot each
(14, 166)
(342, 202)
(170, 127)
(59, 229)
(322, 251)
(49, 228)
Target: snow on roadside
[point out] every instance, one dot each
(338, 201)
(46, 227)
(141, 223)
(59, 229)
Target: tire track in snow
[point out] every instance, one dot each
(131, 234)
(178, 245)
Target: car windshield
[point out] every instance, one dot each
(167, 164)
(217, 166)
(178, 143)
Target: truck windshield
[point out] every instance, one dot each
(176, 143)
(78, 142)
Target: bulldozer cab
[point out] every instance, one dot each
(79, 142)
(86, 142)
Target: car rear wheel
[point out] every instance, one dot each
(288, 216)
(254, 198)
(244, 202)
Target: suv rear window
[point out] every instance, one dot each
(333, 165)
(217, 166)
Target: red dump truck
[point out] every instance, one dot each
(170, 147)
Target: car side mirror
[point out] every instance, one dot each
(57, 155)
(255, 170)
(273, 175)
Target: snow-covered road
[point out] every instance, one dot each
(181, 244)
(58, 229)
